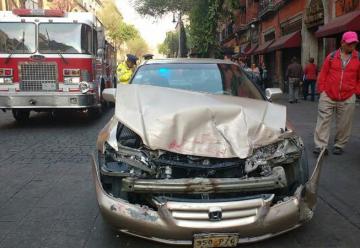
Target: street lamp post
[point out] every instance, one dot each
(252, 28)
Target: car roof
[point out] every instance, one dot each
(188, 61)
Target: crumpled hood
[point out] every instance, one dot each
(198, 124)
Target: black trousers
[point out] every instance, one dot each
(306, 85)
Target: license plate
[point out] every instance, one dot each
(48, 86)
(215, 240)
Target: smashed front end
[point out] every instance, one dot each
(176, 199)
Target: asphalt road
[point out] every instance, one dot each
(47, 197)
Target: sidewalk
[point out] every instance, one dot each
(340, 178)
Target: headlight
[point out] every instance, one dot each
(126, 161)
(286, 151)
(84, 87)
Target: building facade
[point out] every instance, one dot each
(274, 31)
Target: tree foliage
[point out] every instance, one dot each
(118, 30)
(67, 5)
(137, 46)
(158, 8)
(170, 46)
(204, 16)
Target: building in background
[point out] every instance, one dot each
(273, 31)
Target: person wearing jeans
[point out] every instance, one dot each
(338, 83)
(294, 74)
(310, 75)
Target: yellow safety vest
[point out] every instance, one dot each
(124, 73)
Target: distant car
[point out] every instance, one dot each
(196, 155)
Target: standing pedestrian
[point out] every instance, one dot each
(264, 76)
(255, 74)
(338, 83)
(310, 75)
(294, 75)
(126, 69)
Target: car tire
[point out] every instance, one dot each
(21, 115)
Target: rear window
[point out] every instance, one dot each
(224, 79)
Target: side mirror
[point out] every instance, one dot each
(273, 93)
(109, 95)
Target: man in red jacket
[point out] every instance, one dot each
(338, 84)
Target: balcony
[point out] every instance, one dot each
(267, 7)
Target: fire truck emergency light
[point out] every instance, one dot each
(39, 12)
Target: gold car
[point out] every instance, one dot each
(197, 155)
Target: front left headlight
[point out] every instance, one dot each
(285, 151)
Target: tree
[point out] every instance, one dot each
(204, 16)
(65, 5)
(158, 8)
(170, 46)
(137, 46)
(118, 31)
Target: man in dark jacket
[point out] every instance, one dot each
(338, 83)
(294, 74)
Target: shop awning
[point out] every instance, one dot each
(263, 48)
(286, 41)
(251, 50)
(348, 22)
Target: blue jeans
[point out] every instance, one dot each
(310, 83)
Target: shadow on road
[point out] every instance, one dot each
(63, 119)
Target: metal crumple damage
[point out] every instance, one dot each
(284, 152)
(142, 214)
(307, 194)
(136, 212)
(199, 124)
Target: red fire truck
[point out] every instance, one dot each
(51, 60)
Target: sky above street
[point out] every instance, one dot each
(152, 30)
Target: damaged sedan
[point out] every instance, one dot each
(196, 155)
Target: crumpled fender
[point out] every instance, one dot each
(307, 194)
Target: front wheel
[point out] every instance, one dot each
(21, 115)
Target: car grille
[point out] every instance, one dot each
(38, 77)
(194, 214)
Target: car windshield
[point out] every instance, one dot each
(65, 38)
(225, 79)
(17, 38)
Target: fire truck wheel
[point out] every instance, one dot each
(94, 113)
(21, 115)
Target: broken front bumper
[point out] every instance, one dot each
(40, 100)
(176, 222)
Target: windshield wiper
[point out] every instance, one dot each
(62, 57)
(22, 42)
(58, 51)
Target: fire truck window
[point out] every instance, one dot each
(95, 45)
(65, 38)
(17, 37)
(86, 39)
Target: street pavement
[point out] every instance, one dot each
(47, 196)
